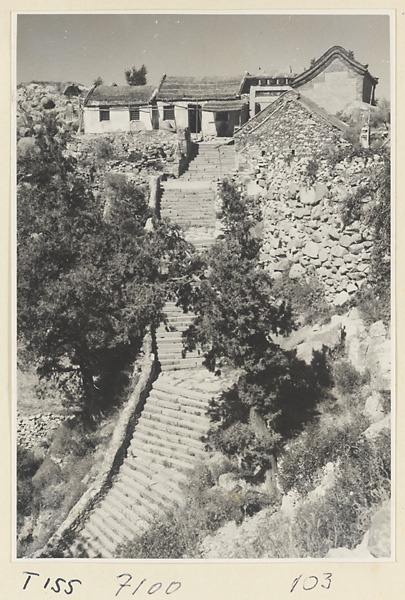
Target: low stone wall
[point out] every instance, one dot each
(139, 155)
(113, 457)
(35, 429)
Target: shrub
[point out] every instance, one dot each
(346, 378)
(306, 297)
(312, 170)
(342, 517)
(104, 149)
(179, 533)
(320, 443)
(254, 454)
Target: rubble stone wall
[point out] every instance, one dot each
(138, 155)
(302, 194)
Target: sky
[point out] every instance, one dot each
(82, 47)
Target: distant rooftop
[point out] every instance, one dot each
(119, 95)
(199, 88)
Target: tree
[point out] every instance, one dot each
(87, 287)
(238, 321)
(136, 76)
(98, 81)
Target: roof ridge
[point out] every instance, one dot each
(314, 69)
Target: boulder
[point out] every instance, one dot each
(351, 288)
(320, 191)
(376, 428)
(350, 258)
(323, 255)
(333, 233)
(379, 540)
(341, 298)
(293, 189)
(373, 408)
(26, 145)
(228, 481)
(296, 271)
(308, 196)
(218, 464)
(311, 249)
(345, 241)
(338, 251)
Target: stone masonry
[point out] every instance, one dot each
(289, 158)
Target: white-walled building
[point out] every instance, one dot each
(210, 106)
(112, 108)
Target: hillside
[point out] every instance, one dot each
(138, 259)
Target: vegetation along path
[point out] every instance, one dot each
(167, 439)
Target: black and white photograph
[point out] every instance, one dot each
(204, 329)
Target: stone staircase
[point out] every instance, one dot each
(189, 200)
(169, 341)
(167, 439)
(166, 443)
(213, 161)
(188, 204)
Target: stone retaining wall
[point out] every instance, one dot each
(33, 430)
(113, 457)
(139, 155)
(295, 162)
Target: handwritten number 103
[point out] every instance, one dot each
(309, 583)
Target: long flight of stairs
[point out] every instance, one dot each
(166, 443)
(189, 200)
(167, 439)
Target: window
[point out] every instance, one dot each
(134, 114)
(104, 114)
(222, 116)
(168, 113)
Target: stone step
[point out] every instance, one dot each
(93, 546)
(98, 539)
(154, 452)
(151, 468)
(180, 365)
(174, 358)
(186, 209)
(163, 444)
(189, 196)
(197, 222)
(172, 434)
(140, 493)
(170, 427)
(183, 421)
(158, 482)
(163, 493)
(177, 317)
(176, 351)
(174, 404)
(185, 401)
(180, 416)
(126, 513)
(116, 520)
(130, 504)
(105, 523)
(150, 495)
(164, 385)
(164, 461)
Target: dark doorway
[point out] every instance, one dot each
(194, 118)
